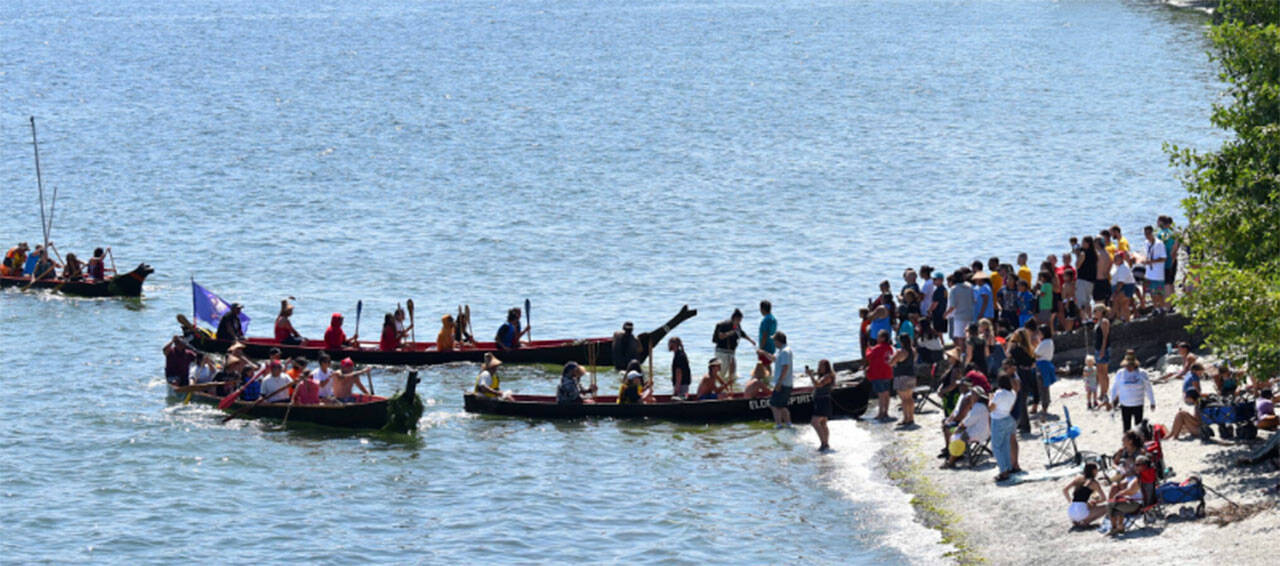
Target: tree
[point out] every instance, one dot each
(1233, 205)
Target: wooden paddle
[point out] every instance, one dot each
(412, 333)
(359, 309)
(528, 322)
(114, 272)
(470, 331)
(244, 410)
(231, 399)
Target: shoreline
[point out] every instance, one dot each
(988, 523)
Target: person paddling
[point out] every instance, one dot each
(347, 377)
(74, 268)
(335, 338)
(488, 383)
(284, 330)
(509, 334)
(570, 391)
(390, 340)
(97, 265)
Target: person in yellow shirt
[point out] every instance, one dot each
(993, 268)
(1118, 242)
(1024, 270)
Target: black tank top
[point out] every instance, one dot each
(907, 367)
(1097, 338)
(1081, 494)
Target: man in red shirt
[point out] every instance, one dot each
(880, 373)
(334, 337)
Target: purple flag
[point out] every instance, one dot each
(209, 307)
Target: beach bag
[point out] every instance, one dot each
(1189, 491)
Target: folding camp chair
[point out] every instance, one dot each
(924, 393)
(1060, 441)
(977, 452)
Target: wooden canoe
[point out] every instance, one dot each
(424, 353)
(849, 399)
(368, 412)
(125, 285)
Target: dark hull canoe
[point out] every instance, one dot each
(849, 400)
(424, 353)
(370, 412)
(126, 285)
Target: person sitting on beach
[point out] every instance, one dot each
(284, 330)
(1186, 359)
(1224, 380)
(487, 383)
(1126, 496)
(1124, 458)
(1185, 422)
(390, 339)
(276, 385)
(957, 416)
(711, 385)
(570, 390)
(758, 385)
(346, 378)
(1081, 492)
(335, 338)
(975, 427)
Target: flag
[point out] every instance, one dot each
(209, 307)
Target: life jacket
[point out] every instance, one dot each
(629, 392)
(97, 269)
(14, 259)
(497, 385)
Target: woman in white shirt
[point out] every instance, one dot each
(1003, 425)
(1128, 389)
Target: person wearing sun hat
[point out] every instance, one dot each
(487, 383)
(1128, 388)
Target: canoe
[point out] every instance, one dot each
(424, 353)
(400, 413)
(849, 399)
(126, 285)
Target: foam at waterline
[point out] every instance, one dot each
(851, 471)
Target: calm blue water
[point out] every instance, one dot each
(609, 160)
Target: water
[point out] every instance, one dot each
(609, 160)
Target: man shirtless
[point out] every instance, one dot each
(712, 385)
(345, 378)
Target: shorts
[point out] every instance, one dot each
(1084, 293)
(781, 397)
(939, 325)
(1091, 384)
(1102, 291)
(1078, 511)
(1156, 287)
(959, 327)
(1102, 356)
(822, 406)
(708, 397)
(879, 386)
(1129, 289)
(904, 383)
(1124, 507)
(728, 364)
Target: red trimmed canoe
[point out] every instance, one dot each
(126, 285)
(849, 399)
(424, 353)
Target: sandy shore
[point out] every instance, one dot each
(1020, 523)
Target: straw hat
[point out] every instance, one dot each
(491, 362)
(1131, 361)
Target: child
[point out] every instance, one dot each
(1026, 302)
(1091, 382)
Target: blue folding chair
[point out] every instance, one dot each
(1059, 441)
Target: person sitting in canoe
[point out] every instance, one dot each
(97, 265)
(509, 334)
(285, 332)
(236, 370)
(401, 329)
(276, 385)
(758, 385)
(632, 389)
(177, 362)
(712, 385)
(335, 338)
(445, 339)
(488, 383)
(74, 269)
(323, 376)
(29, 265)
(345, 379)
(306, 390)
(462, 327)
(390, 340)
(625, 346)
(571, 390)
(14, 259)
(45, 267)
(229, 329)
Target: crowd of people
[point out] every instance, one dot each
(44, 263)
(269, 381)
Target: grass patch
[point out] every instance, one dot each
(905, 468)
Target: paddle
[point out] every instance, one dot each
(231, 399)
(412, 333)
(469, 331)
(359, 309)
(244, 410)
(114, 272)
(528, 322)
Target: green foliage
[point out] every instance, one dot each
(1234, 193)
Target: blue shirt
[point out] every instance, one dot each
(877, 325)
(768, 327)
(906, 328)
(30, 266)
(507, 334)
(1025, 302)
(781, 361)
(984, 290)
(1189, 382)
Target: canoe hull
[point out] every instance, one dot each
(849, 400)
(371, 414)
(126, 285)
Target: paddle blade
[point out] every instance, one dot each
(228, 400)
